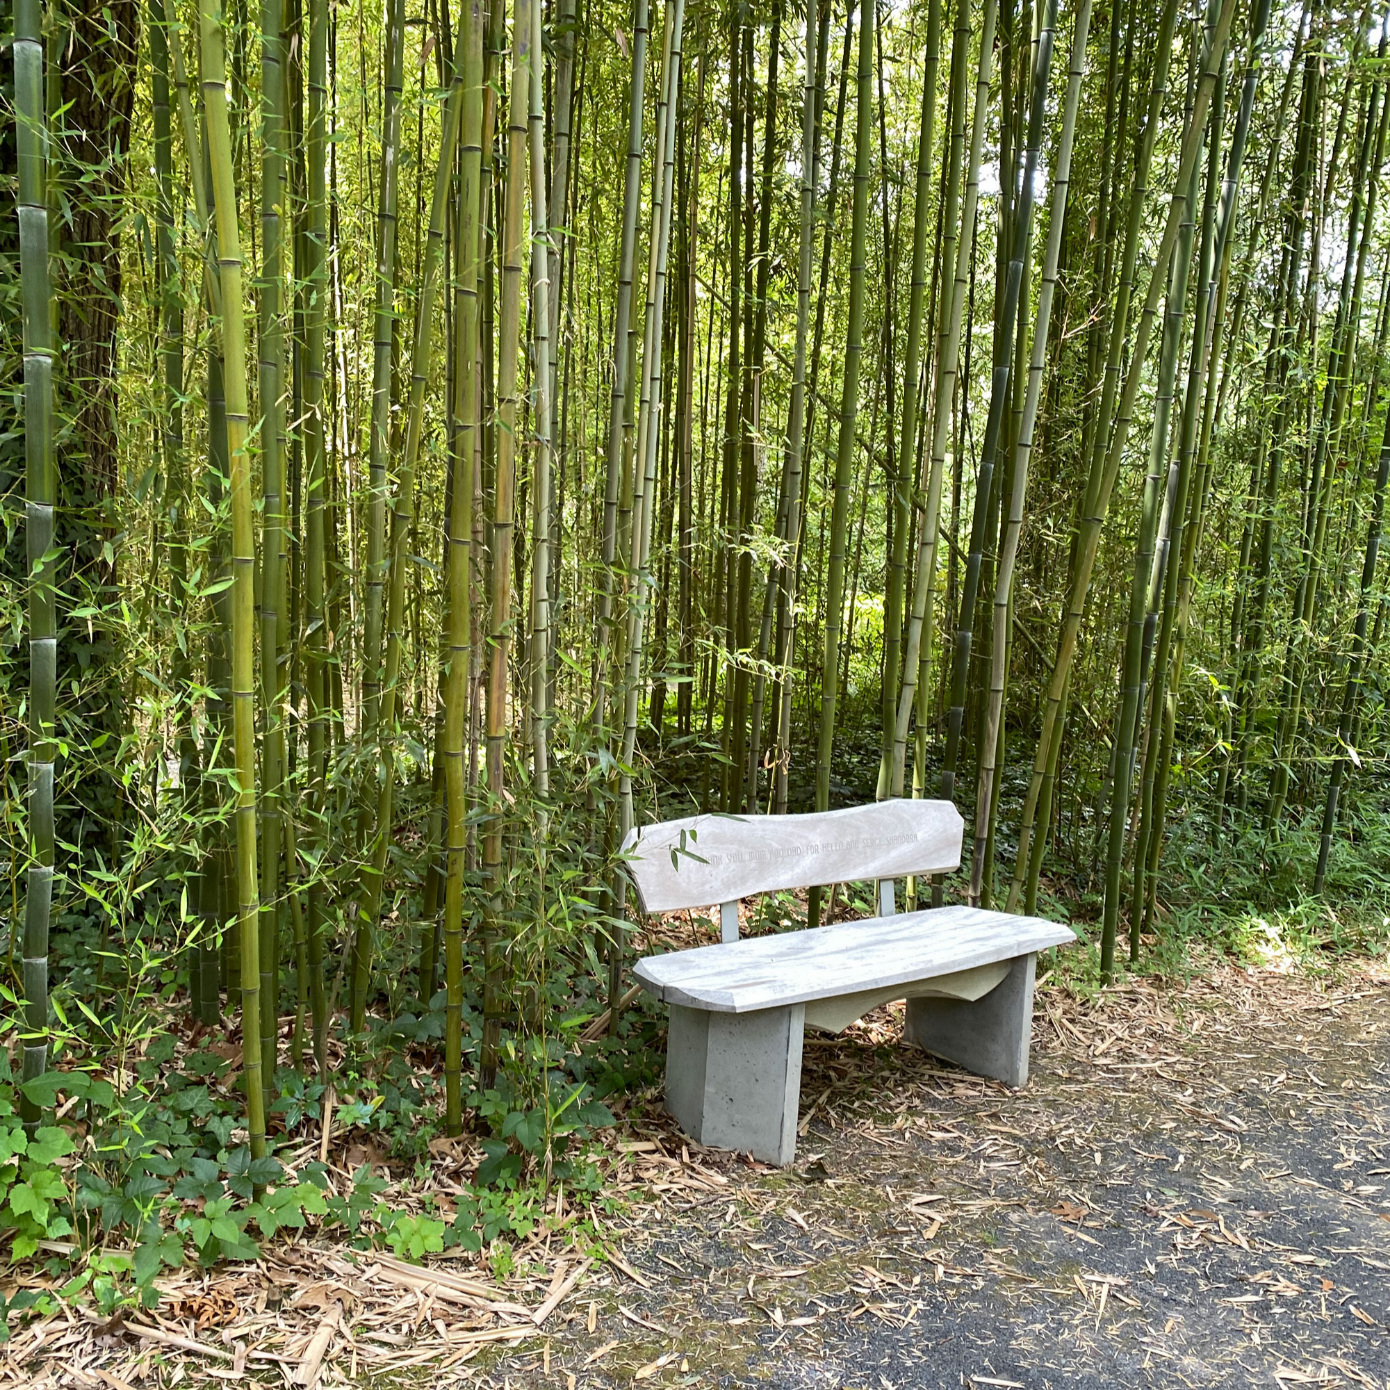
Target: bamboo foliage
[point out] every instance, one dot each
(492, 478)
(1098, 498)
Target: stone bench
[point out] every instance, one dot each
(739, 1008)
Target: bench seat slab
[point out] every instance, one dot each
(797, 967)
(733, 1081)
(988, 1035)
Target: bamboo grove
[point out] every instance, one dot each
(532, 418)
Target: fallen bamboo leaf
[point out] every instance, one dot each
(641, 1321)
(616, 1259)
(559, 1294)
(114, 1381)
(312, 1362)
(154, 1334)
(652, 1367)
(598, 1355)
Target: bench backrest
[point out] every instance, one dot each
(699, 861)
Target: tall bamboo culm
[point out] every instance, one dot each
(41, 498)
(503, 529)
(270, 344)
(315, 489)
(847, 447)
(459, 567)
(980, 865)
(398, 558)
(243, 554)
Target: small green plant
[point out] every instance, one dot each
(36, 1198)
(410, 1237)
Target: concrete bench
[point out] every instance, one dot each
(739, 1008)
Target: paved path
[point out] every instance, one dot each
(1194, 1189)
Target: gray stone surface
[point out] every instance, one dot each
(989, 1035)
(733, 1081)
(847, 958)
(700, 861)
(835, 1014)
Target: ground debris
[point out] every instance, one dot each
(1194, 1189)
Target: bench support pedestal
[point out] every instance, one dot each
(733, 1081)
(988, 1036)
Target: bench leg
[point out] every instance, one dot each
(733, 1081)
(988, 1036)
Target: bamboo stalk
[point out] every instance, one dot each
(543, 263)
(243, 684)
(1001, 394)
(503, 527)
(1097, 501)
(917, 647)
(41, 540)
(383, 345)
(981, 862)
(460, 536)
(315, 487)
(402, 520)
(271, 362)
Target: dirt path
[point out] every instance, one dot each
(1194, 1189)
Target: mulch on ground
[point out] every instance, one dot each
(1193, 1189)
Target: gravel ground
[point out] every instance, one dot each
(1193, 1189)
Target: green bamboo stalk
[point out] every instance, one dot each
(1100, 487)
(383, 344)
(1188, 515)
(794, 461)
(622, 347)
(271, 361)
(744, 750)
(912, 367)
(1131, 680)
(558, 198)
(1327, 437)
(1163, 579)
(650, 403)
(203, 1001)
(544, 261)
(643, 484)
(243, 684)
(1286, 339)
(725, 580)
(849, 407)
(957, 245)
(315, 460)
(1351, 692)
(1001, 395)
(402, 521)
(981, 862)
(460, 614)
(503, 528)
(688, 180)
(41, 541)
